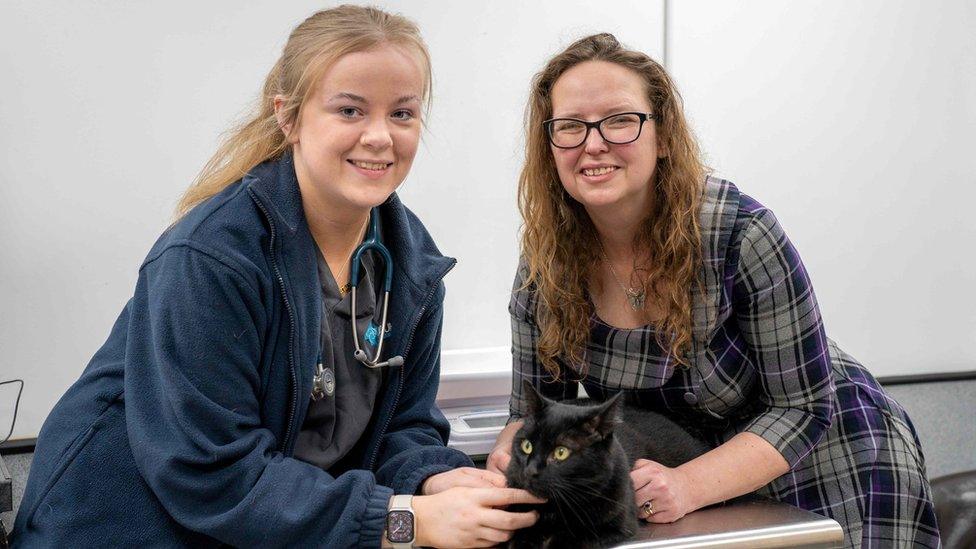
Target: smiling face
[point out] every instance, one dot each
(601, 175)
(358, 131)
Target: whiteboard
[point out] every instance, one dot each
(852, 122)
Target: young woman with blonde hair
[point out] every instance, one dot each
(642, 274)
(233, 403)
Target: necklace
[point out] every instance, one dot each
(636, 296)
(344, 288)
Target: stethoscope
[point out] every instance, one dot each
(324, 381)
(372, 242)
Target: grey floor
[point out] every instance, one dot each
(944, 414)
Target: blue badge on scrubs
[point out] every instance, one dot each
(371, 334)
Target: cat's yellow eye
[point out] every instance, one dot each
(526, 446)
(560, 453)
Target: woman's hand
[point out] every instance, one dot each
(501, 454)
(470, 517)
(463, 476)
(665, 488)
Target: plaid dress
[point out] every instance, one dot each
(761, 362)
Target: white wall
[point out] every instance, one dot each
(854, 122)
(864, 112)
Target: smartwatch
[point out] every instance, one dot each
(400, 522)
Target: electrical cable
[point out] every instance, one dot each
(16, 405)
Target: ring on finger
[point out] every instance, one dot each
(647, 509)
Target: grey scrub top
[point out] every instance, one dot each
(336, 422)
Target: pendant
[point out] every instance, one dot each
(636, 298)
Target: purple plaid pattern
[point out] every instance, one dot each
(761, 362)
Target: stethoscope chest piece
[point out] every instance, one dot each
(324, 382)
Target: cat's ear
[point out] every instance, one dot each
(535, 402)
(606, 416)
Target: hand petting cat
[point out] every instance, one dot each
(664, 487)
(463, 508)
(470, 477)
(461, 517)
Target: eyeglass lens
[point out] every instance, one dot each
(617, 129)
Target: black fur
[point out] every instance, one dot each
(590, 496)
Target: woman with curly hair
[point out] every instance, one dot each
(642, 273)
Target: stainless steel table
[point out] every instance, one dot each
(753, 525)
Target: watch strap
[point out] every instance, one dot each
(401, 510)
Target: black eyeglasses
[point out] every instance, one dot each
(619, 129)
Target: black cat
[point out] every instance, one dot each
(578, 455)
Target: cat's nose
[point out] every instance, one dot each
(531, 470)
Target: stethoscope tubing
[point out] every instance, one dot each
(372, 242)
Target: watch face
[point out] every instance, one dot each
(399, 526)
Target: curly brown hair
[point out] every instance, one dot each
(559, 243)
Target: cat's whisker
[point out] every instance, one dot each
(573, 502)
(596, 494)
(584, 486)
(574, 496)
(557, 499)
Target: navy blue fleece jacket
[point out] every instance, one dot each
(181, 429)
